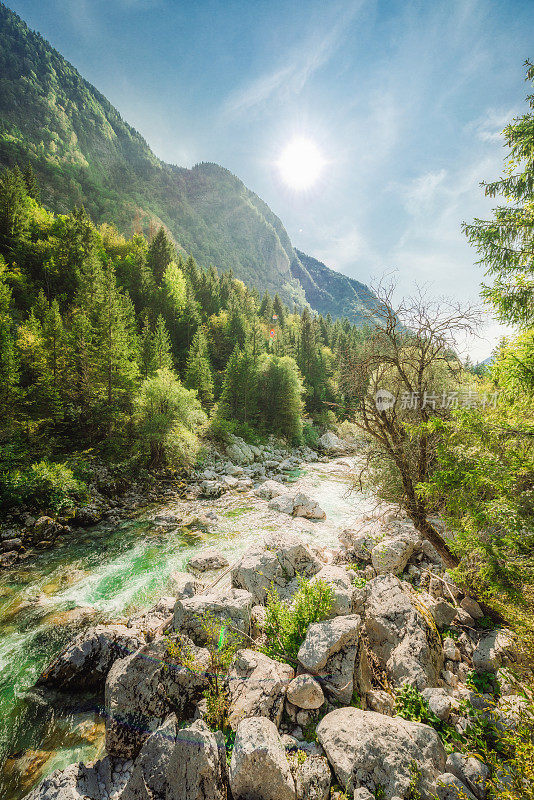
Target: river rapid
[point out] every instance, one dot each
(106, 573)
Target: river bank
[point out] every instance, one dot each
(118, 567)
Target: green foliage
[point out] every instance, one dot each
(483, 682)
(42, 485)
(410, 704)
(415, 782)
(286, 623)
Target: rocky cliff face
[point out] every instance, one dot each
(84, 153)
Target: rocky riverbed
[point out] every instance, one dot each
(322, 726)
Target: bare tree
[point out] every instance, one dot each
(410, 357)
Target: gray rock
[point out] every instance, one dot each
(85, 662)
(472, 608)
(324, 639)
(471, 771)
(275, 563)
(392, 554)
(370, 750)
(449, 787)
(283, 503)
(330, 442)
(304, 506)
(182, 584)
(197, 765)
(492, 651)
(402, 633)
(208, 559)
(134, 703)
(313, 779)
(305, 692)
(380, 701)
(84, 782)
(149, 779)
(269, 489)
(232, 606)
(339, 581)
(259, 767)
(439, 701)
(257, 687)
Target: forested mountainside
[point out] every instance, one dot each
(84, 153)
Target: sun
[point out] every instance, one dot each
(300, 164)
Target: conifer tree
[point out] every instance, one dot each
(161, 347)
(9, 366)
(13, 210)
(198, 370)
(279, 310)
(159, 256)
(146, 352)
(54, 341)
(266, 308)
(238, 398)
(280, 390)
(32, 187)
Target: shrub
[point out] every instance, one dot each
(286, 623)
(310, 435)
(42, 485)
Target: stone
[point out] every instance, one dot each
(471, 771)
(430, 552)
(362, 540)
(182, 584)
(183, 685)
(149, 778)
(492, 651)
(304, 506)
(197, 765)
(330, 651)
(134, 704)
(153, 621)
(442, 611)
(87, 659)
(380, 701)
(275, 563)
(391, 555)
(305, 692)
(269, 489)
(259, 767)
(472, 608)
(330, 442)
(257, 687)
(228, 606)
(239, 452)
(450, 651)
(84, 781)
(324, 639)
(449, 787)
(339, 581)
(283, 503)
(402, 633)
(439, 701)
(313, 779)
(370, 750)
(208, 559)
(510, 711)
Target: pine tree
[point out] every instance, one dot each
(266, 308)
(9, 363)
(32, 187)
(161, 347)
(159, 256)
(146, 352)
(198, 370)
(54, 341)
(279, 310)
(238, 398)
(13, 210)
(280, 390)
(175, 286)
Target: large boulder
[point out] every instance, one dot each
(370, 750)
(275, 563)
(134, 703)
(239, 452)
(330, 442)
(342, 588)
(304, 506)
(104, 778)
(207, 559)
(471, 771)
(257, 687)
(402, 633)
(231, 606)
(492, 651)
(87, 659)
(185, 673)
(313, 779)
(269, 489)
(259, 767)
(361, 540)
(449, 787)
(392, 554)
(283, 503)
(330, 651)
(305, 692)
(179, 763)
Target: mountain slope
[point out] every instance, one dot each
(84, 153)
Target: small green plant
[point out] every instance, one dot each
(309, 731)
(482, 682)
(237, 512)
(415, 782)
(286, 623)
(451, 633)
(222, 643)
(486, 623)
(359, 581)
(380, 792)
(410, 704)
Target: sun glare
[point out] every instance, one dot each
(300, 164)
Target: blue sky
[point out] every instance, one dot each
(405, 100)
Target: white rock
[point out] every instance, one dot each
(257, 687)
(450, 651)
(208, 559)
(313, 779)
(270, 489)
(228, 605)
(330, 442)
(324, 639)
(303, 506)
(259, 767)
(380, 701)
(305, 692)
(439, 701)
(339, 581)
(492, 650)
(449, 787)
(283, 503)
(391, 555)
(472, 772)
(370, 750)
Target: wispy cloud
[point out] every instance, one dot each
(299, 65)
